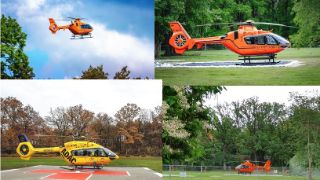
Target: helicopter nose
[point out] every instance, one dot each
(285, 45)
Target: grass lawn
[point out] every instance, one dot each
(154, 163)
(307, 74)
(225, 175)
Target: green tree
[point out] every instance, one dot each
(306, 117)
(165, 11)
(94, 73)
(186, 140)
(14, 62)
(307, 17)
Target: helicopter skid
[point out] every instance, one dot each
(81, 36)
(247, 59)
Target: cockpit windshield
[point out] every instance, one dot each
(86, 26)
(109, 153)
(280, 39)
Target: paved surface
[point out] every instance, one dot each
(225, 64)
(56, 172)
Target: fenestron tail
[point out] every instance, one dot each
(267, 166)
(53, 26)
(180, 39)
(25, 149)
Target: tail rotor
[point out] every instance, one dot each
(53, 26)
(25, 149)
(180, 39)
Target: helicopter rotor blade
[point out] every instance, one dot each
(274, 24)
(75, 18)
(244, 23)
(213, 24)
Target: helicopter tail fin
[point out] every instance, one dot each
(25, 149)
(53, 26)
(180, 39)
(267, 165)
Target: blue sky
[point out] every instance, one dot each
(123, 35)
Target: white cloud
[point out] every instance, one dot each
(108, 47)
(95, 95)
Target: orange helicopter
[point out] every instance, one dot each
(249, 167)
(247, 41)
(78, 28)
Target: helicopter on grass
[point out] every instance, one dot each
(250, 166)
(78, 28)
(247, 41)
(74, 153)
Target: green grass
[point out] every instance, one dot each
(225, 175)
(307, 74)
(154, 163)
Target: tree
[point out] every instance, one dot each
(58, 119)
(306, 117)
(127, 126)
(165, 11)
(124, 73)
(128, 112)
(188, 118)
(94, 73)
(79, 119)
(14, 62)
(307, 17)
(17, 118)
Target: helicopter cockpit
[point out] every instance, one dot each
(86, 26)
(267, 39)
(95, 152)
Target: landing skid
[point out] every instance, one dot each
(81, 36)
(247, 60)
(73, 168)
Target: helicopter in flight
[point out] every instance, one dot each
(247, 41)
(74, 153)
(78, 28)
(250, 166)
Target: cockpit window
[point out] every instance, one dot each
(98, 152)
(86, 26)
(263, 39)
(249, 40)
(270, 40)
(109, 152)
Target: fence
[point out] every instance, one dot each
(199, 172)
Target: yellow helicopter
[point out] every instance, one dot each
(75, 153)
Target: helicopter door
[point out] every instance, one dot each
(80, 156)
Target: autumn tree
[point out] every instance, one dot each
(79, 119)
(14, 62)
(17, 118)
(94, 73)
(103, 129)
(127, 126)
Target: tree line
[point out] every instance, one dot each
(304, 14)
(228, 134)
(132, 130)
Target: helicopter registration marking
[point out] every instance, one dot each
(67, 155)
